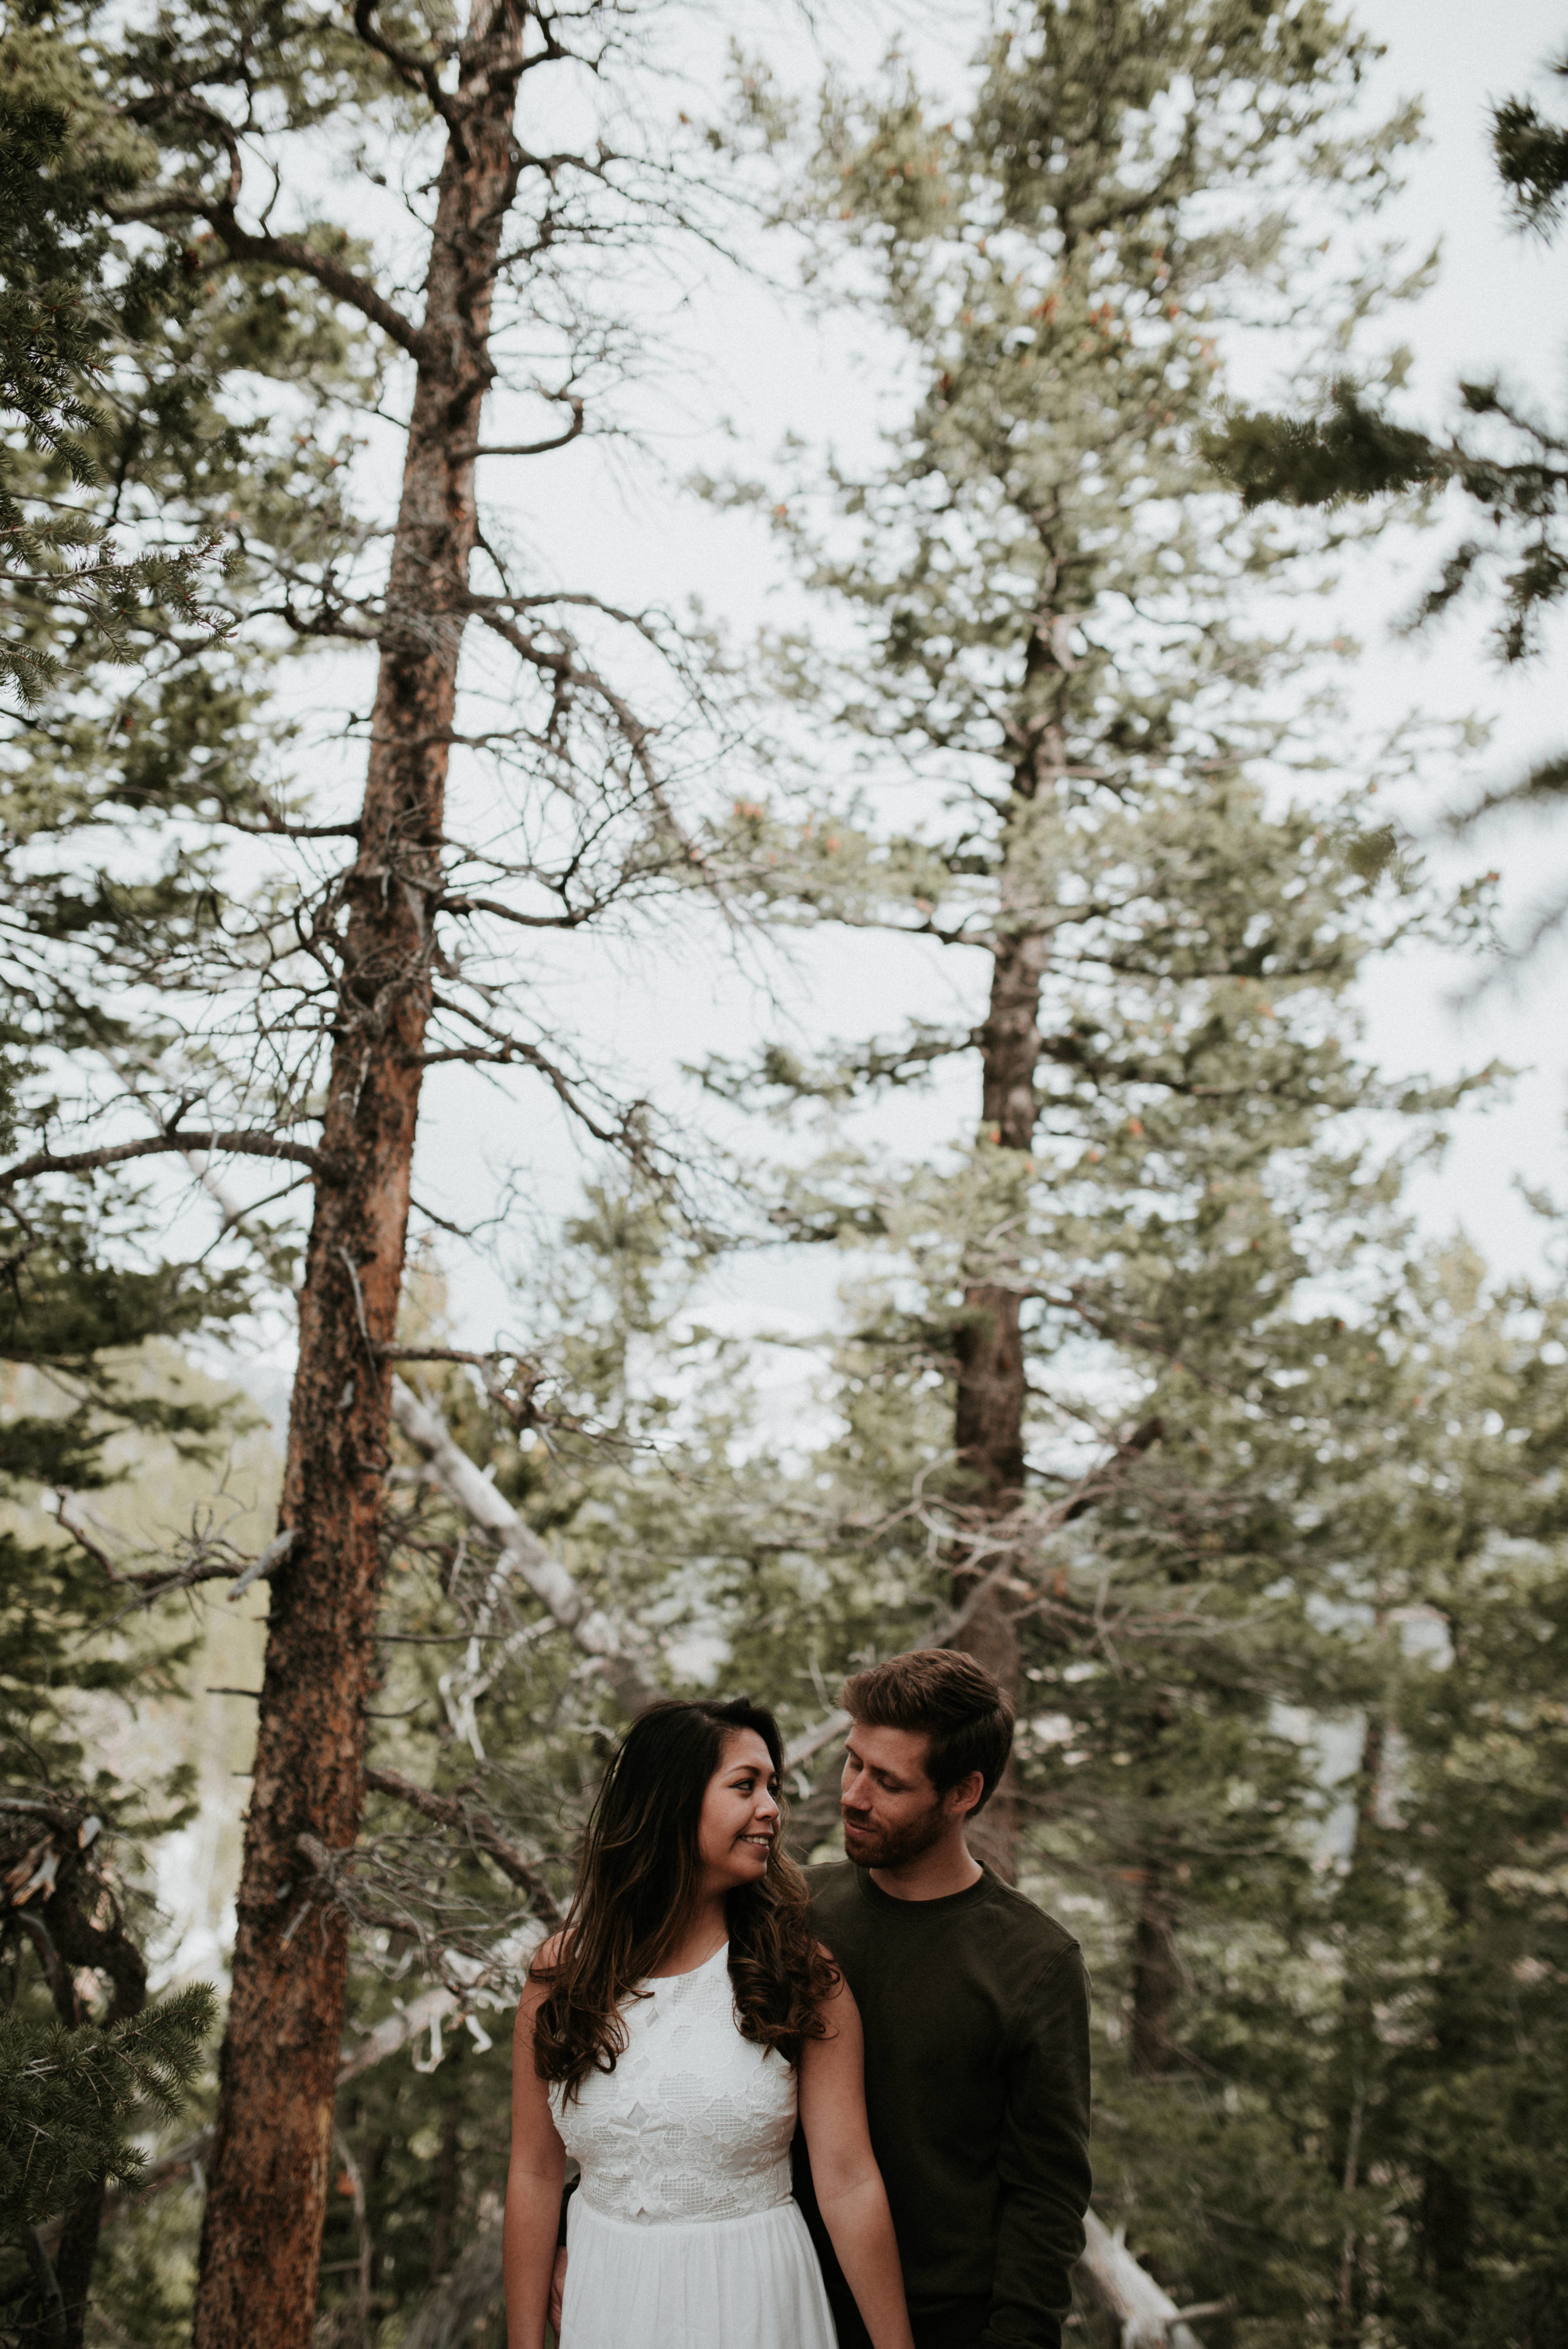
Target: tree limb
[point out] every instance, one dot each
(598, 1634)
(419, 71)
(572, 431)
(451, 1813)
(208, 1562)
(282, 252)
(116, 1153)
(486, 1508)
(1109, 2276)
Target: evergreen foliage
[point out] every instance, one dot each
(1058, 638)
(1532, 158)
(1302, 1656)
(69, 2099)
(68, 302)
(82, 2059)
(1285, 1558)
(1509, 460)
(105, 597)
(1055, 631)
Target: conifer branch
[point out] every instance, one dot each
(481, 1832)
(596, 1632)
(172, 1138)
(538, 447)
(415, 71)
(333, 277)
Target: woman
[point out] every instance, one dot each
(665, 2040)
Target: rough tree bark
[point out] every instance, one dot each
(273, 2148)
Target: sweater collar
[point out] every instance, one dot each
(875, 1898)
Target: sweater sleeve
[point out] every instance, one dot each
(1043, 2169)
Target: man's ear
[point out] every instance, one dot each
(961, 1799)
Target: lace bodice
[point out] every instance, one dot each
(695, 2122)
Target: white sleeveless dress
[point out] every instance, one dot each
(683, 2233)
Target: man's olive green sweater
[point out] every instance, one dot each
(975, 2011)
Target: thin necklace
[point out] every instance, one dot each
(702, 1962)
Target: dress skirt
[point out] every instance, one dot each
(724, 2283)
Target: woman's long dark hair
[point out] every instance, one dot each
(638, 1882)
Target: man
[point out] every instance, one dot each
(975, 2011)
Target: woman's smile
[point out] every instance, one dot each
(739, 1815)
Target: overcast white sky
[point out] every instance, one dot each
(1500, 304)
(742, 352)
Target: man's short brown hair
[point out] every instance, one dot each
(950, 1699)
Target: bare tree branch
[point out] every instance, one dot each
(599, 1634)
(541, 448)
(419, 71)
(208, 1558)
(282, 252)
(173, 1139)
(452, 1813)
(1112, 2279)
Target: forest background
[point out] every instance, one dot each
(1272, 1548)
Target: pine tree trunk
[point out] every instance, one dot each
(76, 1941)
(1446, 2243)
(989, 1407)
(1156, 1973)
(1363, 1883)
(272, 2154)
(988, 1424)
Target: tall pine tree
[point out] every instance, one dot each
(283, 1019)
(1058, 639)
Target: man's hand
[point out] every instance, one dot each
(557, 2287)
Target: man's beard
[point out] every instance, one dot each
(894, 1847)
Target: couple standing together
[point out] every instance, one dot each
(904, 2028)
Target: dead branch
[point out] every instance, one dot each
(116, 1153)
(597, 1633)
(1109, 2276)
(519, 1407)
(207, 1560)
(480, 1833)
(487, 1509)
(174, 204)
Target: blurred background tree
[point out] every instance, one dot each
(1509, 462)
(1058, 640)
